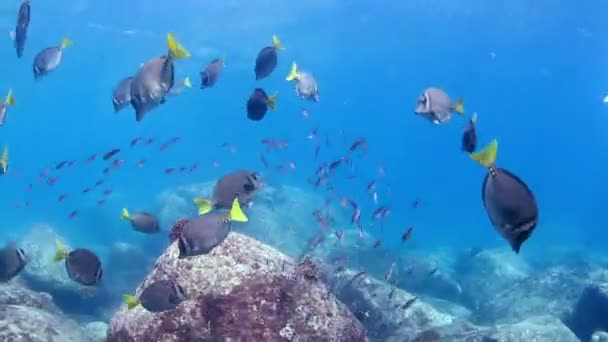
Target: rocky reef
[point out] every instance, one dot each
(242, 290)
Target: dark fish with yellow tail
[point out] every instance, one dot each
(23, 22)
(243, 184)
(121, 96)
(211, 74)
(306, 85)
(202, 234)
(82, 265)
(4, 162)
(510, 204)
(142, 222)
(436, 106)
(161, 295)
(469, 136)
(155, 78)
(258, 104)
(12, 262)
(8, 102)
(267, 59)
(49, 59)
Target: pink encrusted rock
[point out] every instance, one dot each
(241, 291)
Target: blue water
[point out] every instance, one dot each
(534, 73)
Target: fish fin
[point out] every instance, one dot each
(130, 300)
(4, 160)
(10, 99)
(125, 214)
(236, 213)
(277, 43)
(204, 205)
(65, 42)
(474, 118)
(61, 251)
(187, 82)
(459, 106)
(293, 74)
(176, 50)
(272, 101)
(487, 156)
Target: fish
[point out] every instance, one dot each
(12, 262)
(211, 74)
(111, 153)
(61, 164)
(244, 184)
(511, 206)
(9, 101)
(258, 104)
(135, 141)
(203, 233)
(49, 59)
(82, 265)
(23, 22)
(4, 161)
(180, 87)
(161, 295)
(91, 158)
(121, 96)
(142, 222)
(155, 79)
(359, 144)
(407, 234)
(469, 136)
(436, 106)
(306, 85)
(266, 60)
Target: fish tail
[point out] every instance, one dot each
(65, 42)
(4, 160)
(61, 251)
(272, 101)
(236, 213)
(487, 156)
(130, 300)
(204, 205)
(277, 43)
(459, 106)
(293, 74)
(125, 214)
(187, 82)
(176, 50)
(10, 99)
(474, 118)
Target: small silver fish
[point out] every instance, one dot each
(436, 106)
(306, 85)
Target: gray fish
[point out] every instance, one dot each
(49, 59)
(83, 267)
(211, 74)
(306, 85)
(162, 295)
(23, 22)
(142, 221)
(266, 60)
(510, 204)
(121, 96)
(9, 101)
(12, 262)
(180, 86)
(436, 106)
(244, 184)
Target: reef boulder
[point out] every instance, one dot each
(242, 290)
(590, 313)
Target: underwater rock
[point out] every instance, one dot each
(590, 313)
(385, 310)
(97, 331)
(599, 336)
(242, 290)
(21, 323)
(13, 293)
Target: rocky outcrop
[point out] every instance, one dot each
(97, 331)
(245, 291)
(590, 313)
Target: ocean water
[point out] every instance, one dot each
(532, 71)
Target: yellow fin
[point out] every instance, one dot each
(65, 42)
(125, 214)
(459, 106)
(187, 82)
(293, 74)
(61, 251)
(10, 100)
(176, 50)
(130, 300)
(487, 156)
(236, 213)
(4, 160)
(474, 118)
(277, 43)
(272, 102)
(204, 205)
